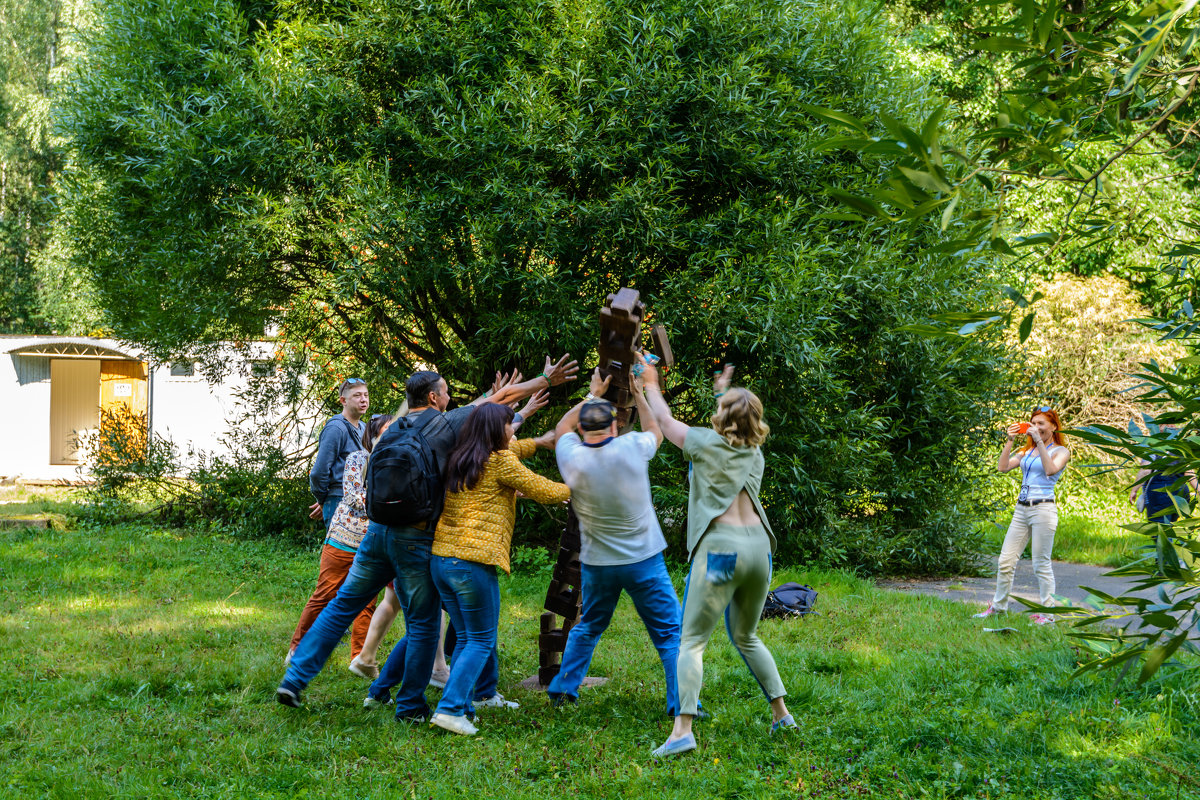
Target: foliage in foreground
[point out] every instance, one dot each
(1108, 77)
(167, 648)
(461, 186)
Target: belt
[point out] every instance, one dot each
(1034, 502)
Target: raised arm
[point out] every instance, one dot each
(596, 388)
(554, 373)
(673, 429)
(1051, 463)
(645, 415)
(1007, 462)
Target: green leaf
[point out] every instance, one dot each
(1026, 327)
(1002, 44)
(833, 117)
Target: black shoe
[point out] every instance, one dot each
(288, 698)
(560, 700)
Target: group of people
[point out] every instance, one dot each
(449, 560)
(447, 563)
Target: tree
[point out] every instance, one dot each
(1099, 87)
(460, 186)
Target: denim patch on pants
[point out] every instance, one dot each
(721, 567)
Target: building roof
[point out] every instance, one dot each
(71, 347)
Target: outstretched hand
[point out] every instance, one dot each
(504, 379)
(598, 385)
(536, 401)
(649, 375)
(723, 380)
(561, 371)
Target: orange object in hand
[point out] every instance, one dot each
(1023, 427)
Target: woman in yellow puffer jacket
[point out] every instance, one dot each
(473, 537)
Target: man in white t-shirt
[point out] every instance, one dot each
(621, 542)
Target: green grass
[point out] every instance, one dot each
(21, 500)
(142, 663)
(1090, 516)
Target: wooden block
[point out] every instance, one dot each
(565, 603)
(547, 673)
(553, 642)
(626, 300)
(662, 347)
(548, 622)
(547, 658)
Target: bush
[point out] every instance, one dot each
(1086, 349)
(460, 186)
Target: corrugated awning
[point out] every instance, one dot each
(62, 347)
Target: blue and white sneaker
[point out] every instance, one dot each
(678, 747)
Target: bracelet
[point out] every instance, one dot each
(590, 396)
(544, 375)
(718, 394)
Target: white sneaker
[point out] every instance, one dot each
(371, 702)
(496, 701)
(287, 660)
(1041, 619)
(366, 671)
(990, 611)
(438, 679)
(460, 725)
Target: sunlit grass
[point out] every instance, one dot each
(159, 679)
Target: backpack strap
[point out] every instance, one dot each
(354, 434)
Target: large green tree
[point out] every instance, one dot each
(460, 185)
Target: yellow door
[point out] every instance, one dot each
(74, 407)
(123, 409)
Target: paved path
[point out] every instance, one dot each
(1068, 578)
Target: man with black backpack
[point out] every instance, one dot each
(404, 499)
(340, 437)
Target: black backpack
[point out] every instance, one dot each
(790, 600)
(404, 480)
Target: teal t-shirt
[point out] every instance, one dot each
(719, 472)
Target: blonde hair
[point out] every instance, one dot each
(739, 418)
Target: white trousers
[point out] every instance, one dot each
(1039, 522)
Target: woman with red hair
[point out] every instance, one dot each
(1042, 461)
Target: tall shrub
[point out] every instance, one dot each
(460, 185)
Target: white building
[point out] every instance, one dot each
(52, 390)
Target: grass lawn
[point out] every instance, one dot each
(143, 663)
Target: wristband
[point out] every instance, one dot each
(547, 377)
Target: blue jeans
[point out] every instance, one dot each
(653, 596)
(328, 507)
(386, 553)
(471, 594)
(392, 673)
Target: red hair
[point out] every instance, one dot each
(1051, 415)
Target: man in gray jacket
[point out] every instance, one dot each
(341, 436)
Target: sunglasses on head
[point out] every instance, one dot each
(352, 381)
(1042, 408)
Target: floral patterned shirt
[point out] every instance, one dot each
(349, 523)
